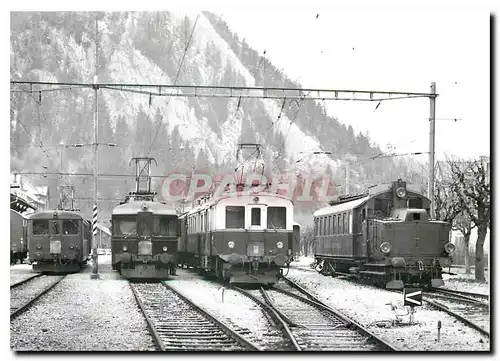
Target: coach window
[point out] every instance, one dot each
(235, 217)
(255, 221)
(40, 226)
(320, 233)
(276, 217)
(334, 226)
(71, 226)
(339, 230)
(325, 224)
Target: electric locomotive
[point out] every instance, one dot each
(144, 239)
(18, 239)
(238, 237)
(58, 241)
(384, 235)
(144, 232)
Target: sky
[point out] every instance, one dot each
(389, 49)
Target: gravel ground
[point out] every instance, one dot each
(236, 310)
(24, 293)
(81, 314)
(368, 306)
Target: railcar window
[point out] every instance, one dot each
(55, 227)
(255, 217)
(40, 226)
(320, 226)
(346, 222)
(276, 217)
(416, 203)
(325, 222)
(334, 224)
(165, 226)
(126, 227)
(339, 228)
(235, 217)
(316, 228)
(71, 226)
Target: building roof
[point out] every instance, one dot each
(104, 229)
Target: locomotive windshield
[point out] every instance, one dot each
(165, 226)
(71, 226)
(235, 217)
(55, 227)
(276, 217)
(40, 226)
(125, 226)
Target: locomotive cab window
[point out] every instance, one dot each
(235, 217)
(125, 226)
(71, 226)
(165, 226)
(40, 226)
(276, 217)
(416, 203)
(255, 217)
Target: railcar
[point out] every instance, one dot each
(58, 241)
(144, 240)
(385, 236)
(18, 239)
(239, 238)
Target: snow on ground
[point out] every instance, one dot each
(20, 272)
(236, 309)
(371, 307)
(81, 314)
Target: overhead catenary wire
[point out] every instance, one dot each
(158, 127)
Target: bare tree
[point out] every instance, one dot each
(307, 240)
(471, 184)
(448, 208)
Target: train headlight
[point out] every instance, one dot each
(279, 244)
(385, 247)
(449, 248)
(401, 192)
(230, 244)
(164, 248)
(38, 246)
(124, 247)
(71, 246)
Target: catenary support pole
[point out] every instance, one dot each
(95, 268)
(432, 141)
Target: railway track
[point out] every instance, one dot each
(462, 294)
(25, 293)
(309, 325)
(17, 284)
(177, 324)
(472, 312)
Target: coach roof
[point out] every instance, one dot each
(135, 207)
